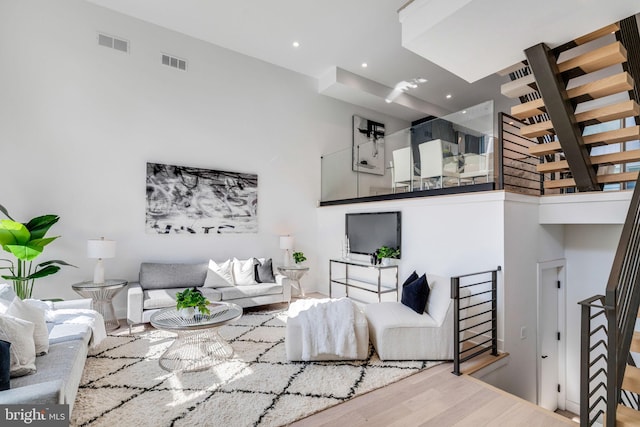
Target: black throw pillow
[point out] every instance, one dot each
(415, 294)
(413, 276)
(5, 364)
(264, 271)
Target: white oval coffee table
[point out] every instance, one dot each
(198, 342)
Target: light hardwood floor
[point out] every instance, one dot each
(436, 397)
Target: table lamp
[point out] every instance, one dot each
(100, 249)
(286, 243)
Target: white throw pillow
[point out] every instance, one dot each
(219, 275)
(243, 272)
(7, 295)
(35, 315)
(23, 353)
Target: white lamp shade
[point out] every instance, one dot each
(101, 248)
(286, 242)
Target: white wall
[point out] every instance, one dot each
(589, 251)
(446, 236)
(78, 122)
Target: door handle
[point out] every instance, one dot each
(544, 357)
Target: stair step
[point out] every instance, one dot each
(631, 380)
(596, 59)
(597, 34)
(627, 417)
(617, 111)
(511, 69)
(602, 179)
(608, 137)
(517, 88)
(617, 83)
(635, 342)
(597, 115)
(602, 159)
(545, 149)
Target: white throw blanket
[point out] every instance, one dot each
(328, 327)
(77, 316)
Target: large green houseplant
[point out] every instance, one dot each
(26, 241)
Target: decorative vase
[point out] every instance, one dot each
(187, 313)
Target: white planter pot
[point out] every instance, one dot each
(386, 261)
(187, 313)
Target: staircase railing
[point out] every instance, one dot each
(620, 306)
(517, 168)
(475, 316)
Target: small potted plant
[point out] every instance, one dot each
(385, 254)
(299, 257)
(189, 301)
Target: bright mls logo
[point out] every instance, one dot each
(35, 415)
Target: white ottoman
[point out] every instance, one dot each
(293, 338)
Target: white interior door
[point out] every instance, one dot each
(548, 343)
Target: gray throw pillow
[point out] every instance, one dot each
(264, 271)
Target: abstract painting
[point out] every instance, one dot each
(183, 199)
(368, 146)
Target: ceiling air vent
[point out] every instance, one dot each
(174, 62)
(113, 42)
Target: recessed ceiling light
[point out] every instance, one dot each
(510, 123)
(448, 96)
(388, 101)
(296, 44)
(365, 65)
(464, 111)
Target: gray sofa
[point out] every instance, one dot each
(158, 284)
(59, 371)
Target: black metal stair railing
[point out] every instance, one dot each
(475, 316)
(593, 360)
(620, 306)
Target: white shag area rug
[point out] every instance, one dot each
(123, 385)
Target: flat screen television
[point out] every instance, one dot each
(370, 230)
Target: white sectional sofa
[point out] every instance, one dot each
(158, 284)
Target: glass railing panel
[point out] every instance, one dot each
(448, 151)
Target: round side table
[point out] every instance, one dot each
(102, 295)
(294, 273)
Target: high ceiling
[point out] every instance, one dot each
(333, 35)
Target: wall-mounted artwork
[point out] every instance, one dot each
(368, 146)
(183, 199)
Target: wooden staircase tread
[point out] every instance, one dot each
(517, 88)
(546, 148)
(602, 179)
(627, 417)
(635, 342)
(528, 109)
(560, 165)
(631, 380)
(602, 159)
(512, 69)
(609, 137)
(597, 59)
(612, 28)
(613, 136)
(617, 83)
(607, 113)
(537, 129)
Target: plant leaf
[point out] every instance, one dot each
(5, 212)
(55, 261)
(39, 226)
(13, 233)
(41, 243)
(11, 277)
(48, 270)
(23, 252)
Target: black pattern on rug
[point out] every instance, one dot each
(256, 387)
